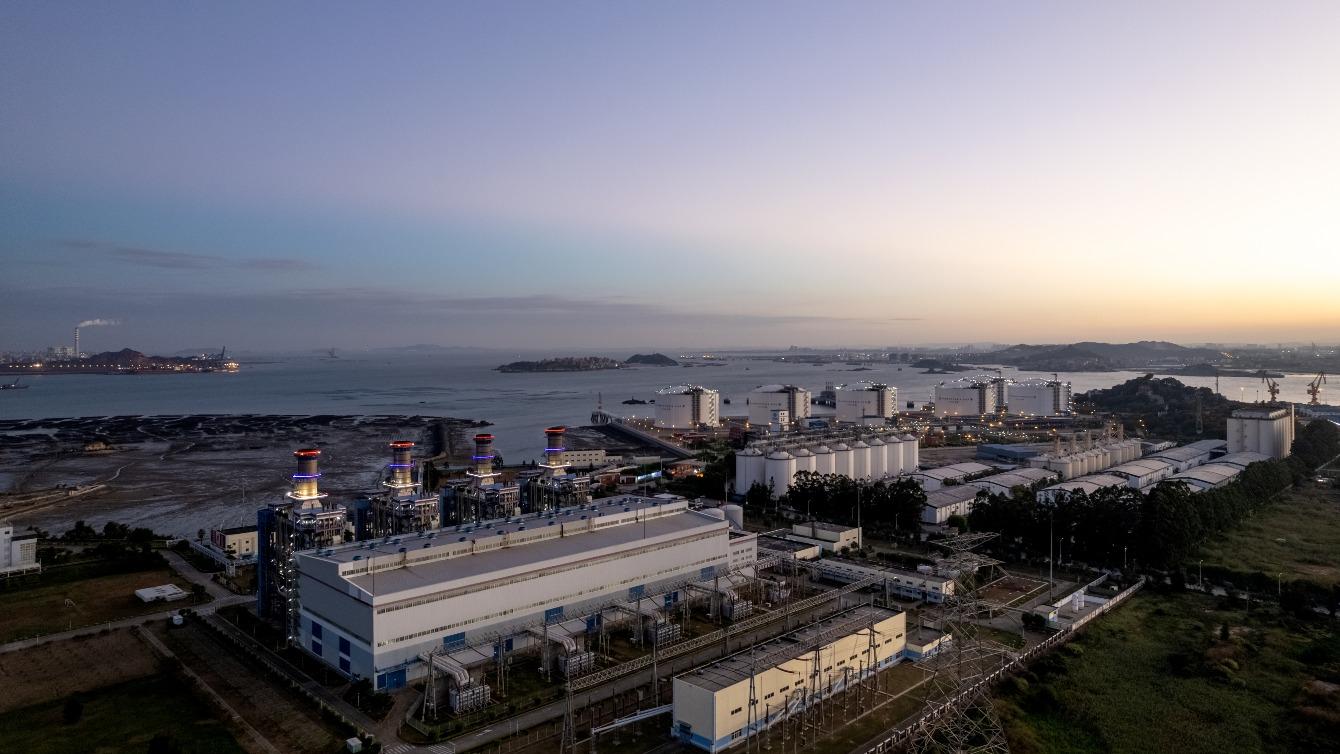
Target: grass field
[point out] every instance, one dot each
(1299, 535)
(1155, 676)
(96, 600)
(120, 718)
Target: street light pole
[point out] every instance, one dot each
(1279, 584)
(1200, 574)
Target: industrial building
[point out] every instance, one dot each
(766, 399)
(722, 703)
(382, 609)
(866, 402)
(956, 473)
(18, 552)
(948, 501)
(828, 537)
(1262, 430)
(1218, 472)
(971, 396)
(482, 495)
(239, 542)
(1144, 472)
(922, 584)
(1039, 397)
(1088, 456)
(302, 520)
(688, 407)
(1005, 484)
(855, 452)
(1188, 456)
(1086, 484)
(403, 506)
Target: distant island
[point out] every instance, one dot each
(125, 361)
(1210, 370)
(562, 364)
(651, 359)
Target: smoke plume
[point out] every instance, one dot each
(98, 323)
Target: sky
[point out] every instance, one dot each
(578, 174)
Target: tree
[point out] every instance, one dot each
(758, 497)
(958, 522)
(163, 743)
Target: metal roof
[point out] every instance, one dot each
(740, 666)
(947, 497)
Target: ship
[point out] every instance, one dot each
(13, 385)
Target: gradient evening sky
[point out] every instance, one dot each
(679, 174)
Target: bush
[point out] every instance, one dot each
(73, 711)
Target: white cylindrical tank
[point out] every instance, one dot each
(748, 469)
(804, 459)
(860, 460)
(779, 470)
(879, 458)
(894, 467)
(823, 460)
(842, 460)
(715, 513)
(911, 454)
(734, 515)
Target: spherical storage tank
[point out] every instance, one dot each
(823, 460)
(734, 515)
(804, 459)
(879, 458)
(860, 460)
(842, 460)
(748, 469)
(779, 470)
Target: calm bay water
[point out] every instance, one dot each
(466, 386)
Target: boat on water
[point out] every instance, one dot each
(13, 385)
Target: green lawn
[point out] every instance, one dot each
(1154, 676)
(93, 600)
(121, 718)
(1298, 535)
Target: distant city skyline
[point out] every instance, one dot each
(596, 175)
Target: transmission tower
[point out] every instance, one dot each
(967, 723)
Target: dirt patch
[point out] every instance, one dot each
(57, 669)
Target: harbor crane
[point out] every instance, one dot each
(1272, 387)
(1314, 388)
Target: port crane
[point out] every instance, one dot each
(1314, 388)
(1272, 387)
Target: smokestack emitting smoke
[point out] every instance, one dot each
(91, 323)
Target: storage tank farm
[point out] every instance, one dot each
(860, 452)
(1081, 454)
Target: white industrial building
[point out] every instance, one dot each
(376, 609)
(970, 396)
(955, 473)
(18, 552)
(765, 399)
(687, 407)
(1262, 430)
(1143, 473)
(829, 537)
(1188, 456)
(1218, 472)
(1039, 397)
(865, 401)
(1005, 484)
(1086, 484)
(856, 452)
(948, 501)
(721, 704)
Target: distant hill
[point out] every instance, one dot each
(651, 359)
(1160, 406)
(1089, 356)
(562, 364)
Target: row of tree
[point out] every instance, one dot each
(1120, 526)
(882, 507)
